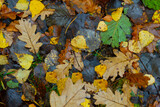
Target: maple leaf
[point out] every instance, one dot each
(72, 95)
(110, 99)
(118, 64)
(28, 35)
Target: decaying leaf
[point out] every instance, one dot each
(36, 7)
(72, 96)
(110, 99)
(25, 60)
(116, 15)
(78, 63)
(3, 60)
(118, 64)
(22, 5)
(28, 35)
(102, 26)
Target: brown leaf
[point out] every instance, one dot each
(118, 64)
(11, 27)
(110, 99)
(28, 35)
(9, 37)
(72, 95)
(54, 31)
(90, 87)
(2, 25)
(78, 63)
(108, 18)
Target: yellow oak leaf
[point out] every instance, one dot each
(145, 38)
(76, 76)
(54, 40)
(102, 26)
(51, 77)
(61, 85)
(156, 16)
(100, 84)
(3, 42)
(3, 60)
(116, 15)
(86, 103)
(134, 46)
(79, 42)
(36, 7)
(25, 60)
(22, 5)
(100, 69)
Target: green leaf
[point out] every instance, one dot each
(12, 84)
(154, 4)
(116, 32)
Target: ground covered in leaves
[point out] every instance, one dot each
(79, 53)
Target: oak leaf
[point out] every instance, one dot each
(72, 95)
(118, 64)
(110, 99)
(90, 87)
(28, 35)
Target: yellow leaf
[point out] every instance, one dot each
(100, 84)
(102, 26)
(23, 98)
(25, 60)
(36, 7)
(76, 76)
(32, 105)
(79, 42)
(3, 60)
(61, 85)
(1, 2)
(101, 69)
(116, 15)
(86, 103)
(51, 77)
(54, 40)
(145, 38)
(156, 16)
(22, 5)
(3, 42)
(152, 79)
(22, 75)
(134, 46)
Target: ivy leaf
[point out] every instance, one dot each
(12, 84)
(116, 31)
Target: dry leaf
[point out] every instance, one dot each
(78, 63)
(118, 64)
(28, 35)
(90, 87)
(43, 14)
(3, 41)
(22, 5)
(134, 46)
(51, 77)
(108, 18)
(128, 1)
(100, 69)
(116, 15)
(61, 85)
(9, 37)
(101, 84)
(25, 60)
(3, 60)
(76, 76)
(86, 103)
(2, 25)
(11, 27)
(36, 7)
(152, 79)
(110, 99)
(102, 26)
(72, 96)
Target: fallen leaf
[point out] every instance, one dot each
(2, 25)
(22, 5)
(116, 15)
(11, 27)
(86, 103)
(1, 2)
(43, 14)
(9, 37)
(107, 18)
(28, 35)
(61, 85)
(145, 38)
(3, 42)
(51, 77)
(36, 7)
(134, 46)
(128, 1)
(110, 99)
(32, 105)
(25, 60)
(100, 69)
(101, 84)
(118, 64)
(102, 26)
(90, 87)
(54, 40)
(12, 84)
(156, 16)
(78, 63)
(76, 76)
(152, 79)
(3, 60)
(79, 42)
(72, 96)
